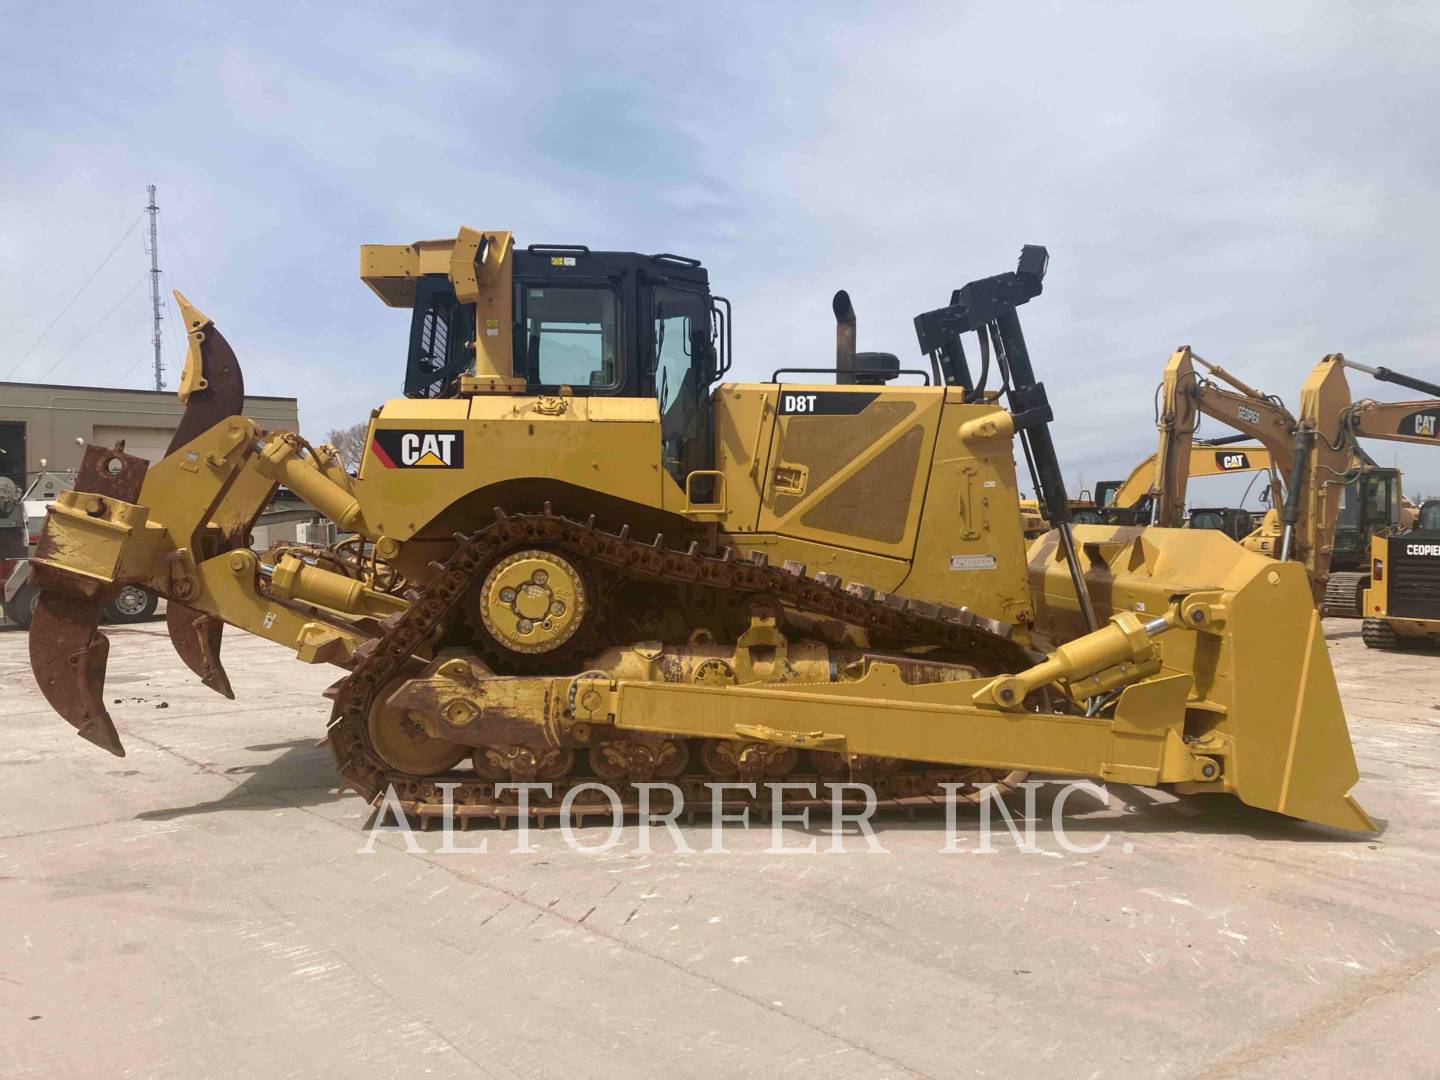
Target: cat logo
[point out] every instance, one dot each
(420, 449)
(1425, 424)
(1233, 461)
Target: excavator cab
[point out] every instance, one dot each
(1232, 521)
(1429, 519)
(1369, 504)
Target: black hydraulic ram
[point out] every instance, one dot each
(987, 307)
(1384, 374)
(1290, 511)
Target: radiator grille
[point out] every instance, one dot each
(1413, 577)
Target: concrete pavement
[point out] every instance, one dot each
(199, 908)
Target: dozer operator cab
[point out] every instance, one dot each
(575, 322)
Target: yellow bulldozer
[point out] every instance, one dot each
(579, 554)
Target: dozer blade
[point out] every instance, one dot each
(196, 637)
(1264, 697)
(68, 655)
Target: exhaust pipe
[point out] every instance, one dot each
(844, 338)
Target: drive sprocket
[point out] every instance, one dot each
(532, 609)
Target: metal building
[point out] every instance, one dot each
(45, 427)
(40, 421)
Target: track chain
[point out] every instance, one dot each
(885, 617)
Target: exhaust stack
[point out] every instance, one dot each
(844, 338)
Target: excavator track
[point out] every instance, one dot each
(894, 620)
(1344, 594)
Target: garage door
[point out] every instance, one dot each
(144, 442)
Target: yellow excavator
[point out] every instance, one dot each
(585, 556)
(1128, 501)
(1330, 497)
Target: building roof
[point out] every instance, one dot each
(127, 390)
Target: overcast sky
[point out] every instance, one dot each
(1258, 181)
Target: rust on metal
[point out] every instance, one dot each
(196, 636)
(222, 392)
(111, 472)
(68, 655)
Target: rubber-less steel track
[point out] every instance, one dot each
(886, 618)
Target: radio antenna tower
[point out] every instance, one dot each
(156, 310)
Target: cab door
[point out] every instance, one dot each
(848, 465)
(678, 374)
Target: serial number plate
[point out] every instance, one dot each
(972, 562)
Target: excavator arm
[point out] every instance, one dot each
(1396, 421)
(1205, 460)
(1184, 396)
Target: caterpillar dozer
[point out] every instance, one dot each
(578, 554)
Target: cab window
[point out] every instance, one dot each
(676, 316)
(680, 331)
(570, 337)
(1382, 497)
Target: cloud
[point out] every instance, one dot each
(1256, 180)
